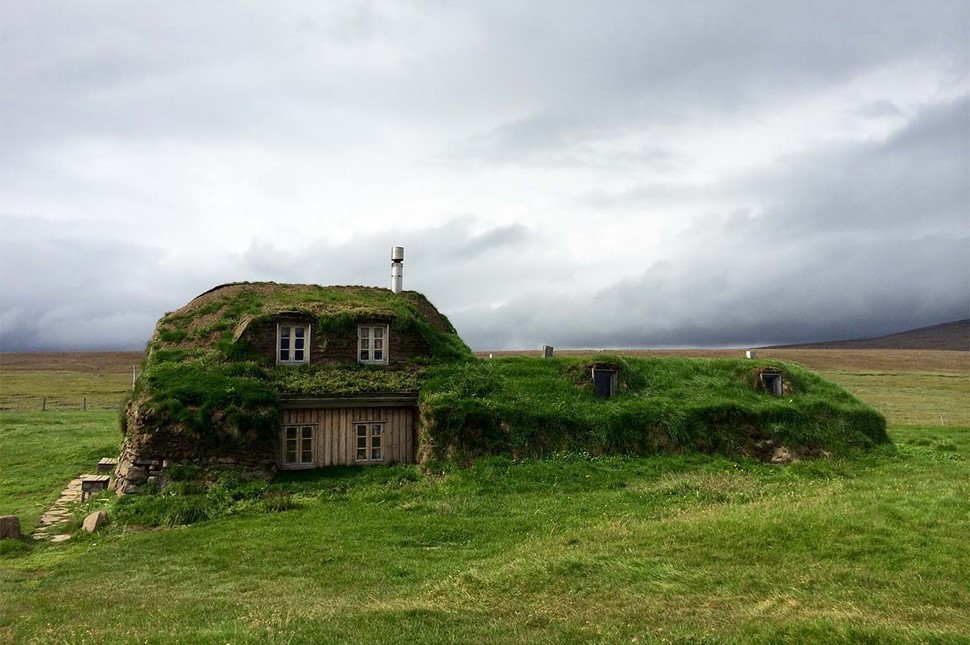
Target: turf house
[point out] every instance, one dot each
(287, 377)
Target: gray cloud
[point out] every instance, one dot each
(841, 289)
(917, 180)
(66, 291)
(584, 174)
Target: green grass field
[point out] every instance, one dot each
(871, 548)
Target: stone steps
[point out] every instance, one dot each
(50, 524)
(60, 512)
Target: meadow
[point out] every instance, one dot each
(870, 548)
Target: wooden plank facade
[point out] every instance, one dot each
(337, 435)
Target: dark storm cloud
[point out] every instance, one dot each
(844, 288)
(63, 289)
(862, 240)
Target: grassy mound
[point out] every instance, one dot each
(527, 406)
(213, 321)
(200, 378)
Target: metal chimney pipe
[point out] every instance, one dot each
(397, 268)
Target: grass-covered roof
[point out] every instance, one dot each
(201, 376)
(529, 406)
(215, 320)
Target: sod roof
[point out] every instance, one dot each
(216, 319)
(201, 376)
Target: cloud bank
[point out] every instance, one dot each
(638, 174)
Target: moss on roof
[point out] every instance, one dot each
(200, 377)
(214, 320)
(535, 406)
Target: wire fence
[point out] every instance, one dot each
(60, 403)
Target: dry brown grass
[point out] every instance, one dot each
(103, 363)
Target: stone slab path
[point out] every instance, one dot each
(59, 513)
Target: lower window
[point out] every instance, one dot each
(299, 445)
(370, 441)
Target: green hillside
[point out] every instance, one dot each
(531, 406)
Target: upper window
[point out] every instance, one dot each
(292, 343)
(372, 344)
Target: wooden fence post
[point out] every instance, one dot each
(84, 406)
(43, 404)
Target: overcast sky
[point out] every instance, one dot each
(582, 174)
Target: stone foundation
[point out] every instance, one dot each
(146, 455)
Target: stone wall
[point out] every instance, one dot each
(149, 450)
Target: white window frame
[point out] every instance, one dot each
(303, 457)
(367, 340)
(291, 348)
(366, 435)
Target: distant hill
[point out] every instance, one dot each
(952, 336)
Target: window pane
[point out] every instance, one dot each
(365, 332)
(299, 332)
(378, 343)
(291, 454)
(291, 432)
(378, 332)
(284, 354)
(299, 343)
(361, 429)
(378, 355)
(362, 454)
(364, 355)
(284, 332)
(361, 442)
(376, 454)
(376, 428)
(298, 355)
